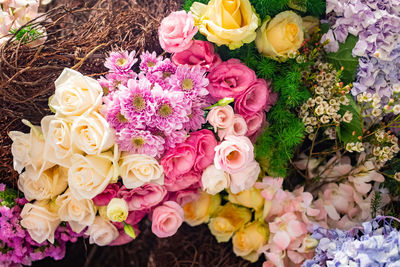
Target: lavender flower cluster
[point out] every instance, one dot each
(377, 243)
(377, 24)
(153, 110)
(16, 245)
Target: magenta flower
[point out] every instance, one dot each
(113, 115)
(171, 110)
(120, 62)
(140, 142)
(149, 61)
(191, 81)
(196, 116)
(162, 73)
(174, 138)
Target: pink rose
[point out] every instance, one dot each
(182, 181)
(238, 128)
(204, 143)
(167, 219)
(185, 196)
(255, 123)
(273, 97)
(253, 99)
(105, 197)
(245, 179)
(133, 219)
(143, 197)
(123, 238)
(176, 32)
(200, 53)
(221, 117)
(234, 154)
(230, 79)
(179, 160)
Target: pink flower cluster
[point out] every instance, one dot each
(288, 216)
(153, 110)
(252, 97)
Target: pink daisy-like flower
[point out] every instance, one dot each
(136, 102)
(162, 73)
(196, 116)
(149, 61)
(174, 138)
(190, 80)
(140, 142)
(171, 110)
(120, 62)
(114, 116)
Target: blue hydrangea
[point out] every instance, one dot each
(376, 243)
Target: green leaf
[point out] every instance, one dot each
(325, 27)
(344, 58)
(345, 130)
(129, 230)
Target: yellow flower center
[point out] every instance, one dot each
(150, 64)
(138, 142)
(167, 74)
(165, 111)
(121, 61)
(187, 84)
(138, 103)
(121, 118)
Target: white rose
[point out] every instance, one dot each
(92, 134)
(89, 175)
(40, 222)
(27, 149)
(246, 178)
(48, 185)
(78, 213)
(214, 180)
(75, 94)
(58, 144)
(138, 169)
(102, 232)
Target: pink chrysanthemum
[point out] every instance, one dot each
(175, 138)
(140, 142)
(190, 80)
(120, 62)
(149, 61)
(162, 73)
(114, 116)
(171, 110)
(196, 116)
(137, 102)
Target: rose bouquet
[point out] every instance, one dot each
(277, 137)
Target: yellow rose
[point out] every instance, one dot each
(280, 36)
(117, 210)
(247, 241)
(229, 219)
(200, 210)
(226, 22)
(249, 198)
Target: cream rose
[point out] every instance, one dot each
(40, 221)
(92, 134)
(75, 94)
(58, 145)
(78, 213)
(214, 180)
(280, 36)
(48, 185)
(27, 149)
(247, 241)
(102, 232)
(226, 22)
(117, 210)
(89, 175)
(138, 169)
(200, 210)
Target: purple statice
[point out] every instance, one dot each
(140, 142)
(376, 243)
(148, 61)
(161, 73)
(137, 102)
(121, 62)
(171, 110)
(191, 81)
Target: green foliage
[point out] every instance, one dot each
(375, 203)
(266, 8)
(26, 34)
(349, 132)
(344, 58)
(7, 198)
(128, 229)
(316, 8)
(188, 3)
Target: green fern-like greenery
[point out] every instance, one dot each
(7, 197)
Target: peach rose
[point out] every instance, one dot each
(102, 232)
